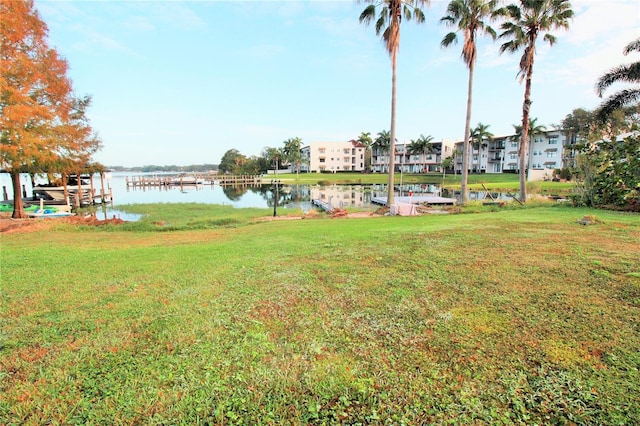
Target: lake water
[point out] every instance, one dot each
(262, 196)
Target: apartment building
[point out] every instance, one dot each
(408, 162)
(546, 152)
(333, 156)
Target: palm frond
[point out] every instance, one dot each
(469, 50)
(419, 16)
(511, 46)
(381, 23)
(451, 38)
(406, 11)
(633, 46)
(550, 38)
(489, 30)
(513, 12)
(448, 20)
(623, 73)
(526, 61)
(368, 14)
(619, 100)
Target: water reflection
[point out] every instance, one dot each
(234, 193)
(289, 196)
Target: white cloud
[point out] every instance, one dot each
(598, 20)
(138, 23)
(289, 9)
(597, 36)
(176, 14)
(94, 41)
(343, 28)
(263, 51)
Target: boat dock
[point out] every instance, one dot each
(416, 199)
(323, 205)
(135, 182)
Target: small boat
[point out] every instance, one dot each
(47, 213)
(56, 193)
(186, 180)
(6, 207)
(42, 212)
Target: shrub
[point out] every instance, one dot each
(609, 174)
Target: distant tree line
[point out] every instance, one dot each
(236, 163)
(194, 168)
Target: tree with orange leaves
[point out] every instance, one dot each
(41, 122)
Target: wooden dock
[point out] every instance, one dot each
(248, 180)
(416, 199)
(165, 181)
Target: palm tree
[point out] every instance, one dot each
(273, 155)
(292, 152)
(455, 154)
(421, 146)
(367, 141)
(534, 129)
(469, 16)
(622, 74)
(523, 26)
(383, 141)
(446, 163)
(388, 24)
(478, 135)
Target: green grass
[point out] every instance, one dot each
(516, 315)
(499, 182)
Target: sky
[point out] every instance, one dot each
(183, 82)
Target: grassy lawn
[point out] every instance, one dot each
(492, 181)
(199, 314)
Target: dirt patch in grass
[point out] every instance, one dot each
(314, 214)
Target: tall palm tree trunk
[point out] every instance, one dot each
(467, 135)
(524, 142)
(392, 143)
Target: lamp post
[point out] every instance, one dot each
(276, 184)
(401, 164)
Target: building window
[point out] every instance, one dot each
(551, 154)
(514, 144)
(553, 140)
(513, 156)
